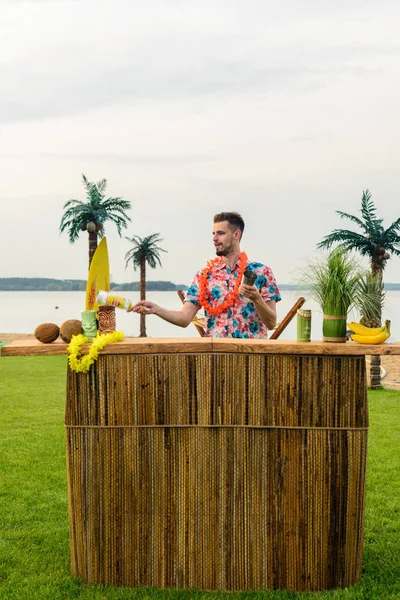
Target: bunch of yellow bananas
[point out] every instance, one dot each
(369, 335)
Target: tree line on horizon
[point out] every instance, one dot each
(43, 284)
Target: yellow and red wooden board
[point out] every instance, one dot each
(99, 275)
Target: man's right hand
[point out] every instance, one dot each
(145, 307)
(181, 317)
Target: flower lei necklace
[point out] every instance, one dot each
(82, 364)
(203, 285)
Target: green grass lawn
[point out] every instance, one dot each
(34, 544)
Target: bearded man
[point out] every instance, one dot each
(232, 308)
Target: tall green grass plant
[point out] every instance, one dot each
(335, 282)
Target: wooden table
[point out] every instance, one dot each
(217, 463)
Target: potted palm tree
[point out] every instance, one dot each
(373, 241)
(334, 282)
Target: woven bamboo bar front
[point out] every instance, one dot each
(225, 469)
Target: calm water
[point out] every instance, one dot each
(21, 312)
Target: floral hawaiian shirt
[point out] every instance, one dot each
(241, 320)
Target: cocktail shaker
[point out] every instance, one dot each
(249, 277)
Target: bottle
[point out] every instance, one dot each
(112, 300)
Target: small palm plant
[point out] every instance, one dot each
(371, 301)
(370, 307)
(144, 250)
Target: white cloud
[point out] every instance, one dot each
(284, 111)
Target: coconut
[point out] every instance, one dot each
(47, 332)
(70, 328)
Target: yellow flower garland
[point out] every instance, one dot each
(82, 364)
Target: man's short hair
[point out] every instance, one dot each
(234, 219)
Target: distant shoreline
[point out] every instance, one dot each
(11, 337)
(43, 284)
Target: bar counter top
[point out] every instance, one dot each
(205, 346)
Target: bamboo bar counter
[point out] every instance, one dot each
(217, 463)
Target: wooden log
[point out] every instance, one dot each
(257, 346)
(286, 320)
(205, 345)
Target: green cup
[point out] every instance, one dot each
(303, 325)
(89, 323)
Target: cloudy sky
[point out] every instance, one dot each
(282, 110)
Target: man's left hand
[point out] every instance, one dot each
(249, 291)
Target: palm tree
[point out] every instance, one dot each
(90, 216)
(375, 242)
(144, 251)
